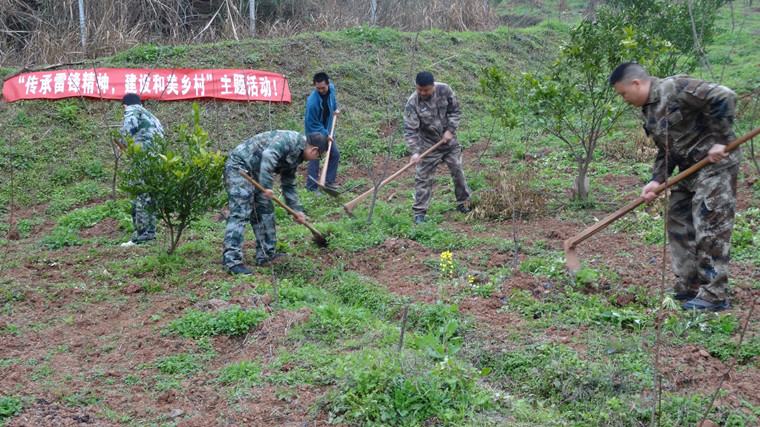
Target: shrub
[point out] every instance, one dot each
(183, 183)
(509, 193)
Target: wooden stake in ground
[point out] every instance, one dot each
(319, 238)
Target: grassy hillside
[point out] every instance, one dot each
(373, 70)
(494, 329)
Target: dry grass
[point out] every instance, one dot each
(507, 193)
(642, 150)
(35, 31)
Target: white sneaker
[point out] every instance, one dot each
(128, 244)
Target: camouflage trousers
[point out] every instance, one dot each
(247, 204)
(425, 176)
(700, 223)
(143, 221)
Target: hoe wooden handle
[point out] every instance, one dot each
(286, 207)
(585, 234)
(350, 205)
(323, 177)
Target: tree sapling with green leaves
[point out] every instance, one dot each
(572, 100)
(183, 179)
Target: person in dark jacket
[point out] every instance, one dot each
(318, 117)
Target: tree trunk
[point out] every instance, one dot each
(581, 185)
(82, 27)
(373, 12)
(252, 14)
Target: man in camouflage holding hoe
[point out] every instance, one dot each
(142, 126)
(261, 157)
(690, 119)
(432, 114)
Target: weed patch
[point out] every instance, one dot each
(380, 388)
(66, 232)
(246, 372)
(9, 406)
(232, 321)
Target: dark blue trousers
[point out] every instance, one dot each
(332, 169)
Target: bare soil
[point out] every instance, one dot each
(92, 346)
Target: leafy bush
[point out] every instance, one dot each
(509, 193)
(587, 276)
(542, 266)
(379, 388)
(232, 321)
(183, 184)
(431, 317)
(9, 406)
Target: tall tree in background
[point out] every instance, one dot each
(688, 25)
(572, 100)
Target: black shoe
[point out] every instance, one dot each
(464, 209)
(315, 192)
(240, 269)
(273, 257)
(702, 305)
(684, 296)
(419, 219)
(333, 187)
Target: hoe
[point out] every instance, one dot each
(319, 238)
(323, 176)
(571, 253)
(349, 207)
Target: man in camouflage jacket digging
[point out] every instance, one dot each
(142, 126)
(261, 157)
(432, 114)
(690, 119)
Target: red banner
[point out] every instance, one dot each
(162, 84)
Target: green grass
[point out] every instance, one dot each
(232, 321)
(452, 370)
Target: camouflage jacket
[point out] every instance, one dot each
(693, 115)
(270, 153)
(425, 121)
(141, 125)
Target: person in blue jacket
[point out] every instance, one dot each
(318, 117)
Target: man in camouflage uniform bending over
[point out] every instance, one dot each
(261, 157)
(432, 114)
(142, 126)
(690, 119)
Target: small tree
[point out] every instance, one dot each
(572, 100)
(182, 184)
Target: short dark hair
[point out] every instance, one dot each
(131, 99)
(628, 71)
(424, 78)
(320, 77)
(317, 139)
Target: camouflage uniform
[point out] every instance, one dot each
(261, 157)
(143, 126)
(425, 122)
(694, 115)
